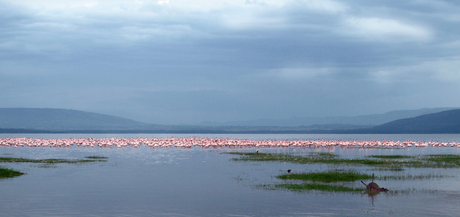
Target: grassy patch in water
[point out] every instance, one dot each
(317, 187)
(96, 157)
(48, 161)
(351, 176)
(413, 177)
(444, 158)
(315, 157)
(245, 156)
(391, 156)
(331, 176)
(9, 173)
(323, 155)
(388, 161)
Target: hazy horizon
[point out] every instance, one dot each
(188, 62)
(364, 120)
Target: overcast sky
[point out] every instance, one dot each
(189, 61)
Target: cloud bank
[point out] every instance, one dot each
(185, 62)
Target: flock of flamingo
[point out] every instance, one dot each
(190, 142)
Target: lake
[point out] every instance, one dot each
(206, 182)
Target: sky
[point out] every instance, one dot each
(194, 61)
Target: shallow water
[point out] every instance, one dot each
(205, 182)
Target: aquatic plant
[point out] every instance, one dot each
(331, 176)
(313, 186)
(388, 161)
(413, 177)
(391, 156)
(96, 157)
(47, 161)
(9, 173)
(314, 157)
(444, 158)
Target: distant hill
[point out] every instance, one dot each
(31, 120)
(441, 122)
(62, 119)
(363, 120)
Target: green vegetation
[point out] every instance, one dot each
(9, 173)
(412, 177)
(314, 157)
(351, 176)
(322, 181)
(337, 176)
(332, 176)
(391, 156)
(96, 157)
(318, 187)
(48, 161)
(386, 161)
(323, 155)
(444, 159)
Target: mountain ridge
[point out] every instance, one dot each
(28, 120)
(436, 123)
(373, 119)
(58, 119)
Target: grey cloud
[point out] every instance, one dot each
(170, 65)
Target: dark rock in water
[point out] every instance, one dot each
(372, 186)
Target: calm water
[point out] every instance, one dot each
(204, 182)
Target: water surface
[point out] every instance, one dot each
(204, 182)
